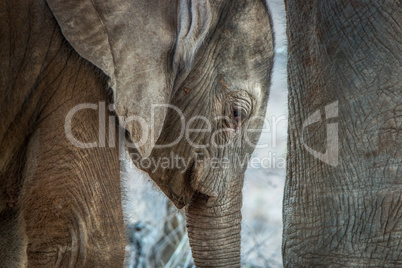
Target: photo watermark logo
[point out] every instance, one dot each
(186, 130)
(331, 153)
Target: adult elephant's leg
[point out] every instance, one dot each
(70, 199)
(342, 203)
(12, 234)
(71, 195)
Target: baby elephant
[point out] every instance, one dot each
(182, 84)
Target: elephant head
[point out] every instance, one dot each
(190, 84)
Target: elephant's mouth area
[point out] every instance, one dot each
(192, 188)
(197, 178)
(183, 187)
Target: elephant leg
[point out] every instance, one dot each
(12, 236)
(71, 200)
(342, 200)
(12, 244)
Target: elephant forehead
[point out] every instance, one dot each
(255, 89)
(251, 31)
(248, 89)
(245, 58)
(242, 80)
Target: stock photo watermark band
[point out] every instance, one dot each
(187, 129)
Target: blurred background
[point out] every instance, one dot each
(156, 229)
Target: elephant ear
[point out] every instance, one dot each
(194, 22)
(132, 43)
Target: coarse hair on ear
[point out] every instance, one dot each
(194, 21)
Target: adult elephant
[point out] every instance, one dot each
(342, 200)
(63, 61)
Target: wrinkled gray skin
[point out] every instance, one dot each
(207, 58)
(228, 73)
(60, 205)
(348, 215)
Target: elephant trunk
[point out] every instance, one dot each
(214, 232)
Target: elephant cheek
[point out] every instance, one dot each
(214, 232)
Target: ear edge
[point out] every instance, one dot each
(68, 16)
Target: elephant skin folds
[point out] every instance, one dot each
(209, 60)
(62, 202)
(344, 63)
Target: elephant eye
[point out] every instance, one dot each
(238, 109)
(238, 115)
